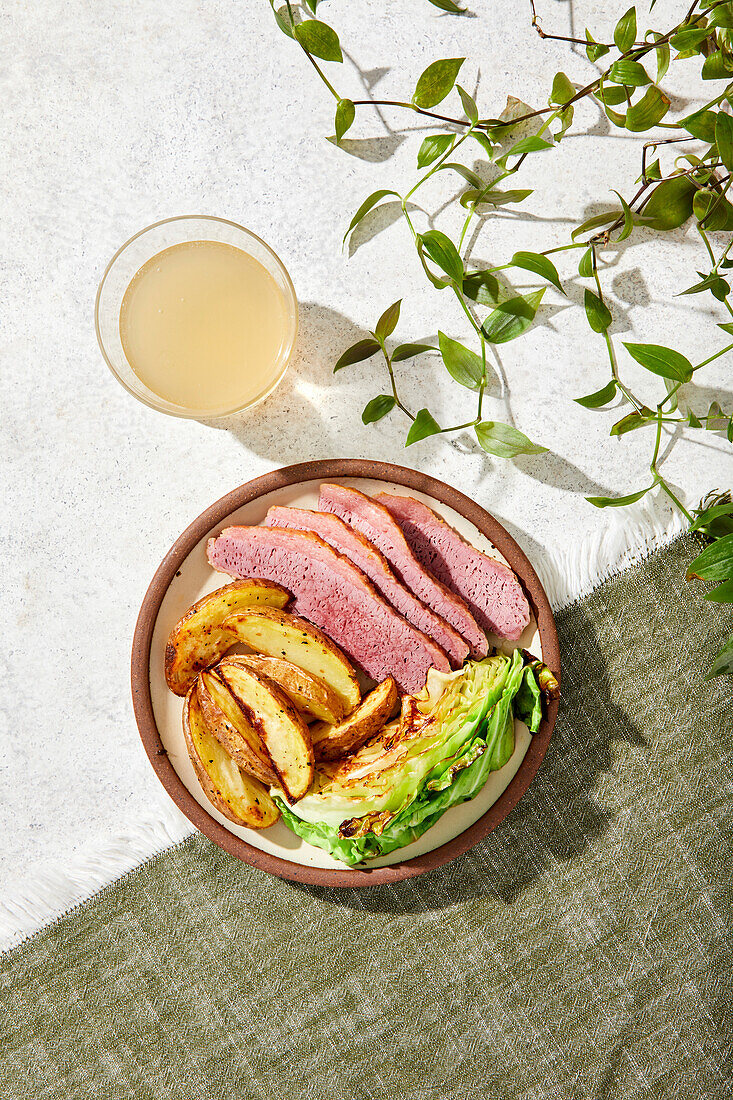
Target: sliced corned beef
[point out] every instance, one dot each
(334, 595)
(489, 587)
(353, 545)
(375, 522)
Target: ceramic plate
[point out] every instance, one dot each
(185, 575)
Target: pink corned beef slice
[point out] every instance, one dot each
(366, 557)
(489, 587)
(333, 594)
(375, 522)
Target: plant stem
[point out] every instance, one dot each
(710, 358)
(393, 383)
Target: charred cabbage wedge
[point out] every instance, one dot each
(448, 740)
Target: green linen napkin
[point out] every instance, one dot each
(582, 951)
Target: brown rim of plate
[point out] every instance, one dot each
(218, 513)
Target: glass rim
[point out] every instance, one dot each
(199, 414)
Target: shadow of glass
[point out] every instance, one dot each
(292, 425)
(558, 818)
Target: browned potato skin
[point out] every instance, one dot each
(198, 639)
(311, 696)
(376, 709)
(283, 730)
(259, 811)
(319, 656)
(242, 741)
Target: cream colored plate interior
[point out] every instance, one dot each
(196, 577)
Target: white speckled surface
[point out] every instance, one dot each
(117, 115)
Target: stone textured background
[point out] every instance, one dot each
(118, 115)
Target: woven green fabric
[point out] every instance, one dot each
(582, 952)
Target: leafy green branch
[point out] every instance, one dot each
(695, 185)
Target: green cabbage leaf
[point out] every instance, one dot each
(397, 788)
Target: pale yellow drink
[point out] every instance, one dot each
(203, 324)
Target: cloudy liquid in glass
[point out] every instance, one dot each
(203, 325)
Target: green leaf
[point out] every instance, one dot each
(511, 318)
(665, 362)
(363, 349)
(625, 33)
(562, 89)
(722, 16)
(585, 267)
(504, 441)
(715, 563)
(378, 407)
(282, 18)
(717, 286)
(469, 104)
(701, 125)
(492, 196)
(600, 398)
(628, 218)
(462, 364)
(618, 502)
(407, 351)
(484, 141)
(422, 426)
(714, 417)
(444, 253)
(366, 206)
(689, 38)
(565, 118)
(729, 432)
(709, 514)
(345, 115)
(481, 287)
(670, 204)
(532, 144)
(595, 222)
(717, 66)
(611, 97)
(467, 173)
(631, 73)
(434, 146)
(632, 421)
(724, 139)
(726, 327)
(653, 171)
(662, 53)
(594, 49)
(387, 323)
(319, 39)
(723, 663)
(671, 388)
(447, 5)
(648, 111)
(539, 264)
(437, 81)
(692, 419)
(598, 314)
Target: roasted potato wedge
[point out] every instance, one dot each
(236, 730)
(198, 640)
(236, 795)
(276, 634)
(311, 696)
(333, 742)
(284, 733)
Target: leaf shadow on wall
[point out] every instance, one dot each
(301, 421)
